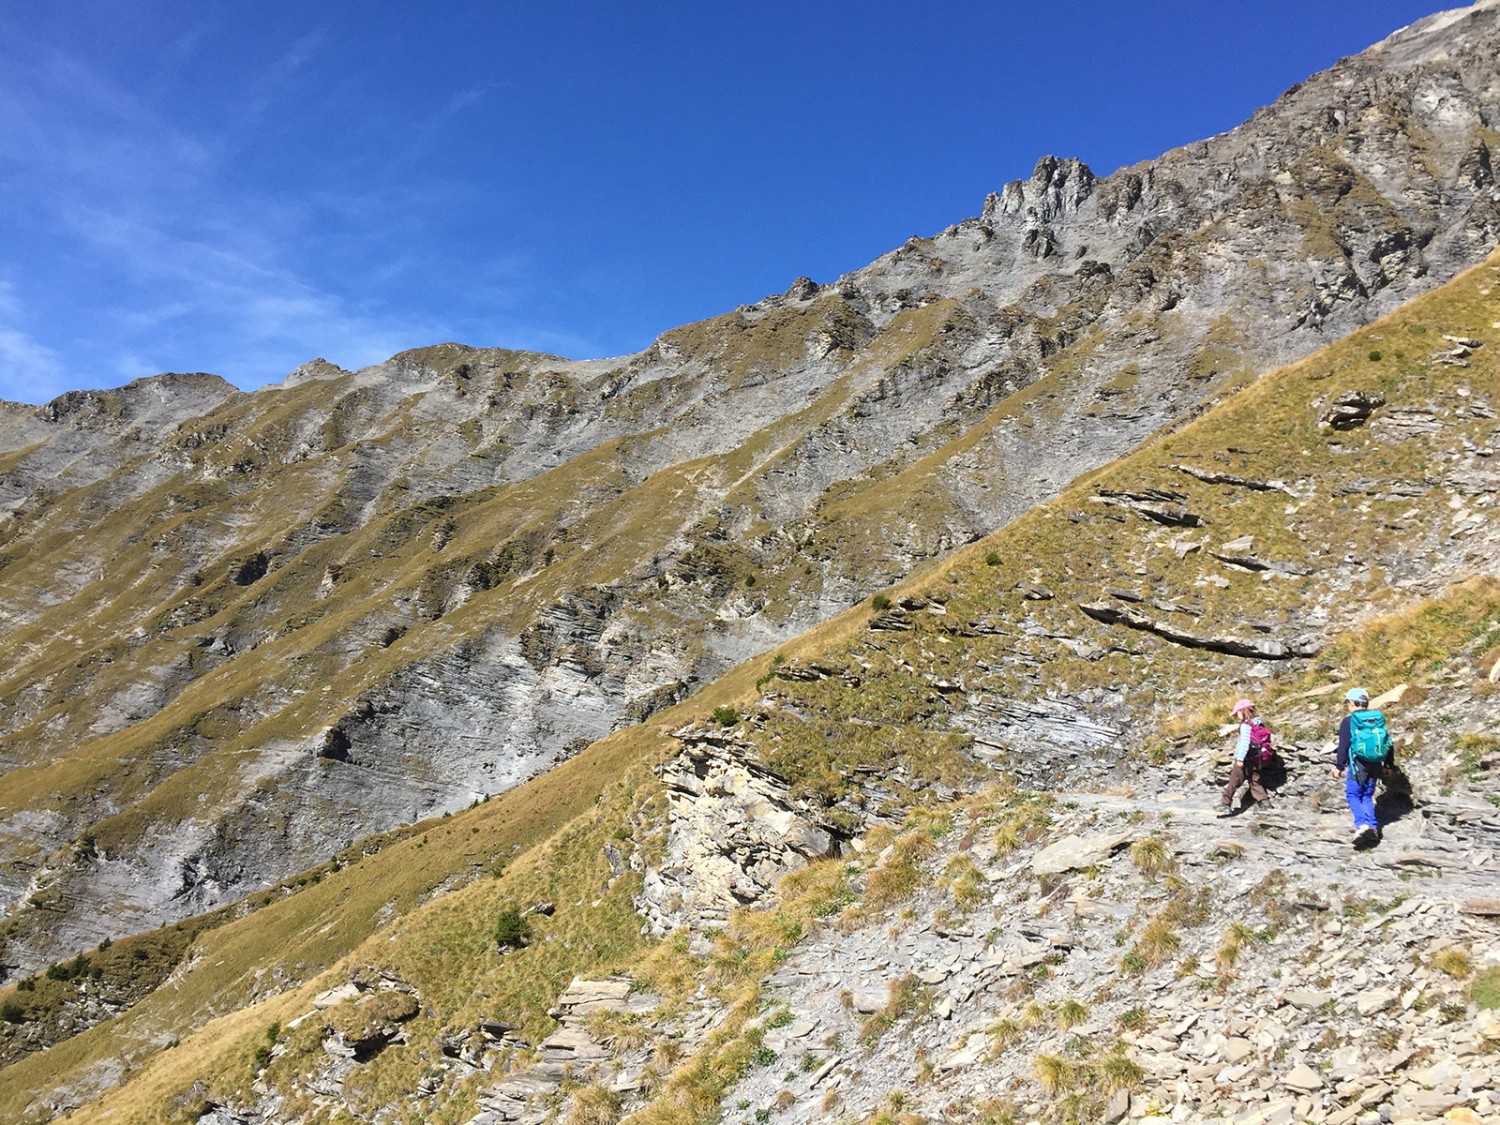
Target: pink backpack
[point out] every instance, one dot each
(1261, 752)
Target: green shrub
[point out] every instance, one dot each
(12, 1012)
(726, 716)
(880, 603)
(512, 930)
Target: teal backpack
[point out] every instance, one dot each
(1369, 742)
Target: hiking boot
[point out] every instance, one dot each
(1225, 809)
(1364, 836)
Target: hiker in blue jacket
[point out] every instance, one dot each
(1363, 753)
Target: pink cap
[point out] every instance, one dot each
(1243, 705)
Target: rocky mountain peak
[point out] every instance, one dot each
(1056, 189)
(318, 368)
(155, 401)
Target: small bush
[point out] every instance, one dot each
(512, 930)
(12, 1012)
(880, 603)
(992, 558)
(726, 716)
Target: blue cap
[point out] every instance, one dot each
(1357, 695)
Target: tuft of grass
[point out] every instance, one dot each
(1054, 1073)
(596, 1104)
(1134, 1019)
(898, 876)
(1118, 1071)
(1484, 989)
(907, 994)
(1024, 820)
(1070, 1013)
(1454, 962)
(1151, 856)
(965, 882)
(1235, 939)
(1002, 1033)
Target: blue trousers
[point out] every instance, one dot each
(1360, 792)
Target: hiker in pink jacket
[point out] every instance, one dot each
(1251, 748)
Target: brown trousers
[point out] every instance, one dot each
(1237, 777)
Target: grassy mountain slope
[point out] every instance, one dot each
(985, 661)
(242, 631)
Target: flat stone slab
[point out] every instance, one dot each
(586, 997)
(1375, 1000)
(335, 996)
(1074, 853)
(1306, 998)
(1305, 1078)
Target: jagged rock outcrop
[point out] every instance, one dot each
(1252, 648)
(734, 829)
(1352, 409)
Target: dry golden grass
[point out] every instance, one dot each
(1152, 857)
(1454, 962)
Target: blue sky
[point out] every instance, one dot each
(238, 188)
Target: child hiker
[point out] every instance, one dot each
(1252, 745)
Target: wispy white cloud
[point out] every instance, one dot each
(271, 86)
(29, 370)
(151, 248)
